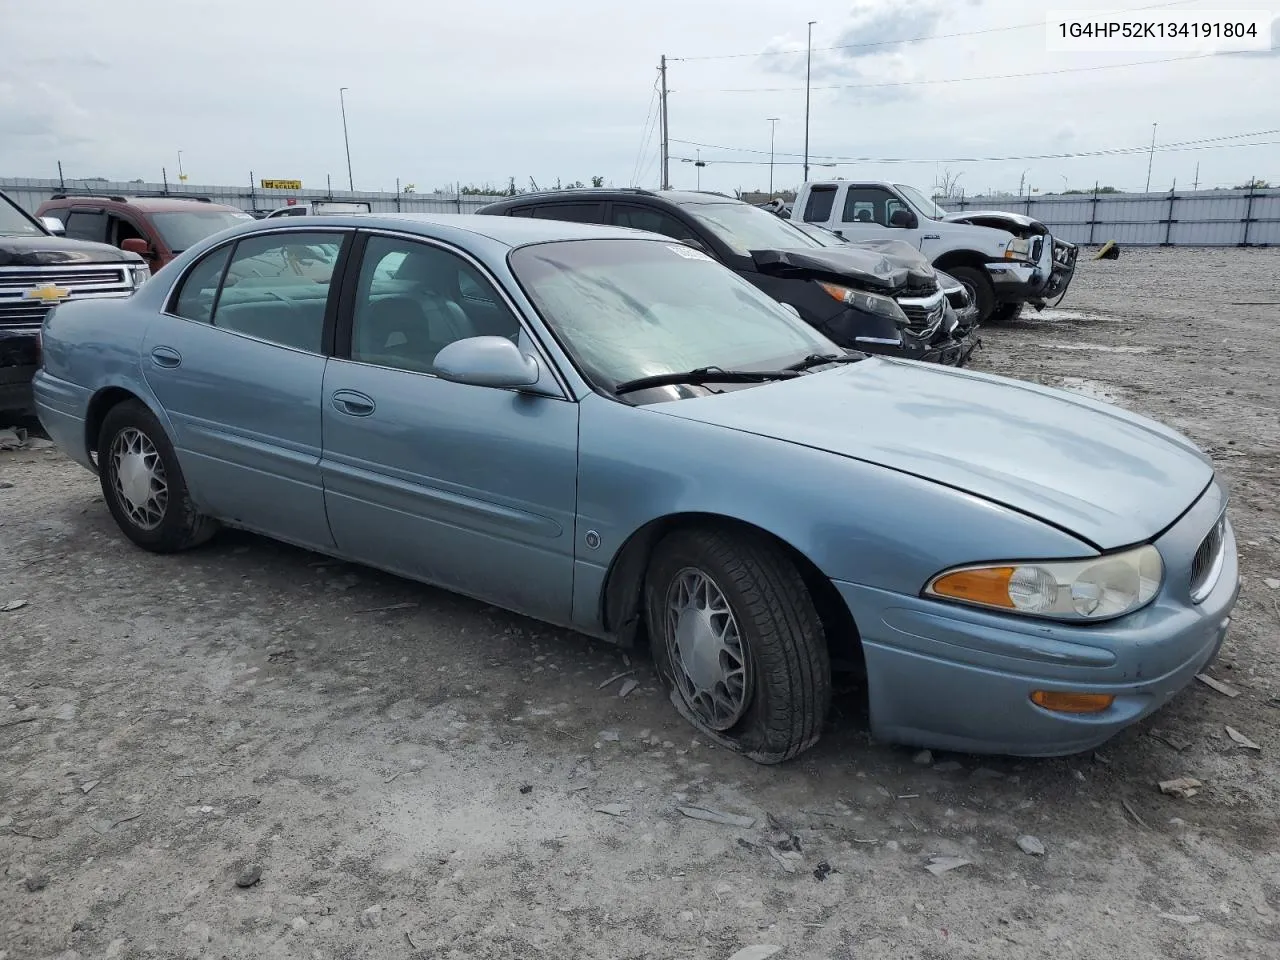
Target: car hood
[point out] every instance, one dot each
(1109, 477)
(863, 264)
(54, 251)
(997, 219)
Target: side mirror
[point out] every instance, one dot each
(137, 245)
(904, 218)
(486, 362)
(54, 226)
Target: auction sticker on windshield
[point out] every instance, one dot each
(689, 253)
(1199, 31)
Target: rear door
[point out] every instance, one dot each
(470, 488)
(237, 361)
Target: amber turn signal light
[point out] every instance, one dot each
(990, 586)
(1072, 702)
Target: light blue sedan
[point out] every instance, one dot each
(606, 430)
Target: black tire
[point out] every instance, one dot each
(179, 525)
(979, 286)
(788, 693)
(1006, 313)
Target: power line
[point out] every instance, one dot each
(994, 76)
(905, 40)
(1205, 143)
(644, 133)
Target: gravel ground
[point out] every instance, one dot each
(423, 780)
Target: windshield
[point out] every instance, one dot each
(745, 228)
(625, 309)
(186, 229)
(15, 223)
(924, 206)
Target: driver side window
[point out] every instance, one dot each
(414, 299)
(870, 205)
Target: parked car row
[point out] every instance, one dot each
(657, 432)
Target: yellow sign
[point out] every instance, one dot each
(47, 293)
(281, 184)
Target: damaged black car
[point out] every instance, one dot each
(879, 297)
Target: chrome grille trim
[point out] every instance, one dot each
(1206, 566)
(923, 313)
(82, 281)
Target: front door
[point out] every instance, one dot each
(238, 365)
(470, 488)
(867, 214)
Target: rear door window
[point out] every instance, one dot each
(655, 221)
(574, 212)
(277, 288)
(817, 208)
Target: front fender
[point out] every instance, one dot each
(854, 521)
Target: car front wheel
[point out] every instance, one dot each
(738, 642)
(143, 485)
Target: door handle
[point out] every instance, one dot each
(166, 357)
(352, 403)
(932, 236)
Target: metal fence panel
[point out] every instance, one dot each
(1204, 218)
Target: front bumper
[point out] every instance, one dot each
(950, 677)
(1024, 281)
(19, 359)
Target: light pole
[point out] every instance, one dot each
(345, 139)
(181, 176)
(773, 129)
(1151, 157)
(808, 64)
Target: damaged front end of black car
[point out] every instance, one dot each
(877, 296)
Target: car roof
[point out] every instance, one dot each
(579, 194)
(509, 231)
(144, 204)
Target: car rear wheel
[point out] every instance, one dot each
(979, 287)
(143, 483)
(738, 642)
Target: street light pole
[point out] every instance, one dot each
(1151, 157)
(345, 139)
(773, 130)
(808, 64)
(181, 175)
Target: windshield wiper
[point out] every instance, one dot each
(818, 359)
(703, 375)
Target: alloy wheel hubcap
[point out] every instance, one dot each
(137, 475)
(705, 646)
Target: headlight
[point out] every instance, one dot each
(1097, 589)
(140, 272)
(1017, 249)
(866, 302)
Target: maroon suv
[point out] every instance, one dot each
(157, 228)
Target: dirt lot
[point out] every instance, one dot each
(423, 781)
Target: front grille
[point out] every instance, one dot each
(20, 287)
(923, 313)
(1206, 566)
(21, 315)
(63, 276)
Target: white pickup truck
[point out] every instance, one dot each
(1004, 259)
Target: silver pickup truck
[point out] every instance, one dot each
(1005, 260)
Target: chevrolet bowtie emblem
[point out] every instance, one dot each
(47, 293)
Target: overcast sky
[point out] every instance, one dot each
(477, 92)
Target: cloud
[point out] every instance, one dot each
(41, 114)
(873, 45)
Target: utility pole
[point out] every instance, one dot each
(351, 182)
(699, 165)
(773, 130)
(808, 65)
(1196, 185)
(666, 149)
(1151, 156)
